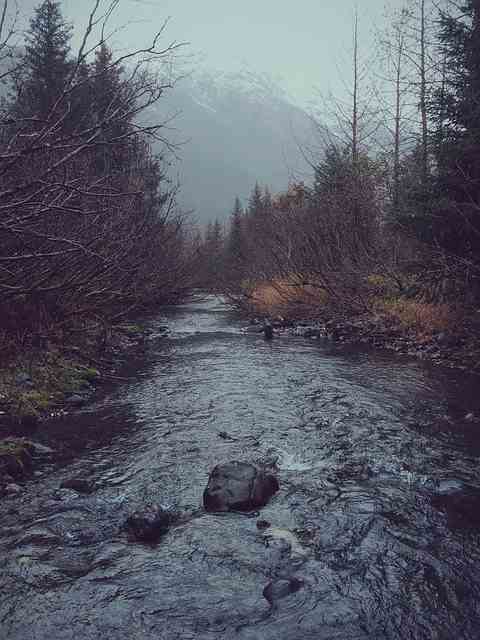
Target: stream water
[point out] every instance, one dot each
(376, 522)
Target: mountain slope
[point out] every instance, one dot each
(237, 129)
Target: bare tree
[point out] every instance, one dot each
(75, 240)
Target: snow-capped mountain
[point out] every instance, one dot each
(236, 129)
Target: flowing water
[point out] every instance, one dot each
(374, 532)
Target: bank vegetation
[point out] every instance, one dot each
(387, 234)
(90, 229)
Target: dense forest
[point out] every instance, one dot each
(90, 228)
(390, 225)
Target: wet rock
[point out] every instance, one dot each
(15, 457)
(13, 489)
(75, 400)
(281, 588)
(149, 524)
(81, 485)
(24, 380)
(263, 524)
(225, 436)
(40, 449)
(238, 486)
(268, 331)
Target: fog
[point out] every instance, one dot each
(260, 58)
(303, 45)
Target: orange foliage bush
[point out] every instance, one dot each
(422, 317)
(278, 296)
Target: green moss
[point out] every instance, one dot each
(90, 374)
(39, 399)
(132, 329)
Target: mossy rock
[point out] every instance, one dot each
(15, 457)
(132, 329)
(90, 374)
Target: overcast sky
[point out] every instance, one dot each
(302, 43)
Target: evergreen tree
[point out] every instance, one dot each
(267, 202)
(255, 203)
(46, 66)
(236, 250)
(333, 176)
(456, 113)
(110, 112)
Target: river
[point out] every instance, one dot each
(377, 518)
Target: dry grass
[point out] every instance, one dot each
(422, 318)
(278, 297)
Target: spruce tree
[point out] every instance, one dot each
(236, 252)
(46, 64)
(456, 112)
(255, 202)
(109, 109)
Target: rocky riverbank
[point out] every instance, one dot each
(457, 345)
(41, 385)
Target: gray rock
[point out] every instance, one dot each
(238, 486)
(281, 588)
(41, 449)
(149, 524)
(24, 380)
(13, 489)
(81, 485)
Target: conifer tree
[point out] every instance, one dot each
(456, 111)
(46, 65)
(255, 202)
(236, 240)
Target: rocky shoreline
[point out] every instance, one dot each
(42, 386)
(458, 348)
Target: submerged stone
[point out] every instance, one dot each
(281, 588)
(149, 524)
(238, 486)
(81, 485)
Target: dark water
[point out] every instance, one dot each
(378, 513)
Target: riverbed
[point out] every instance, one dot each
(376, 522)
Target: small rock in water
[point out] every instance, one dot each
(263, 524)
(13, 489)
(471, 417)
(149, 524)
(281, 588)
(225, 436)
(41, 449)
(81, 485)
(268, 331)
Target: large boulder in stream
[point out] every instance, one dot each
(238, 486)
(149, 523)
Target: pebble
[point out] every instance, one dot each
(13, 489)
